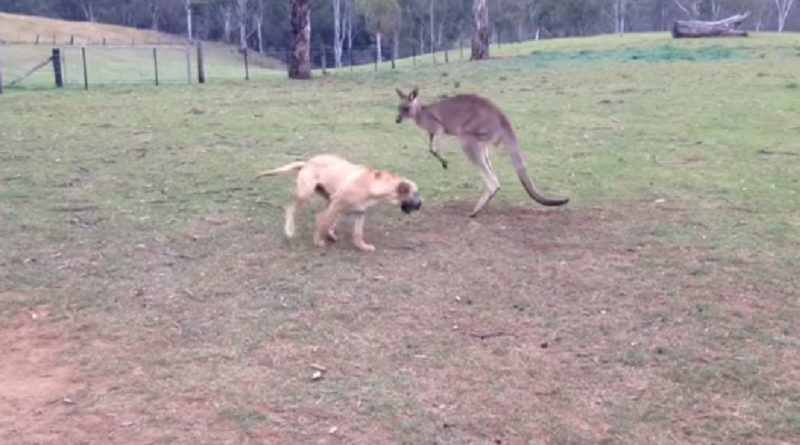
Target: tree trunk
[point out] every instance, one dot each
(433, 32)
(154, 15)
(88, 10)
(338, 32)
(348, 7)
(697, 28)
(227, 19)
(242, 10)
(188, 6)
(300, 57)
(480, 34)
(378, 47)
(784, 7)
(396, 45)
(259, 24)
(705, 10)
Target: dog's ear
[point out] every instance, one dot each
(400, 93)
(403, 188)
(414, 93)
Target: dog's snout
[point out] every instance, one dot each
(411, 205)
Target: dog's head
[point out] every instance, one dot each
(409, 105)
(408, 196)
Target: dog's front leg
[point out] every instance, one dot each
(358, 232)
(325, 222)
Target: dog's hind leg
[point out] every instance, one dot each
(302, 194)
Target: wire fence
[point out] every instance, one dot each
(70, 65)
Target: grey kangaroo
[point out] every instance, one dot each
(477, 123)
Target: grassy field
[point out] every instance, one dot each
(147, 294)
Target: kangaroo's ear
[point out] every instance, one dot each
(400, 93)
(403, 188)
(414, 93)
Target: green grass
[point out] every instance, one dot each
(658, 306)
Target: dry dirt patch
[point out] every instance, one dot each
(37, 380)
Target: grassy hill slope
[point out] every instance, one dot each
(128, 58)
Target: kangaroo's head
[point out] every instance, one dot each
(409, 105)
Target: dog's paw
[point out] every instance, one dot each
(444, 165)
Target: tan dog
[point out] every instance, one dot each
(349, 189)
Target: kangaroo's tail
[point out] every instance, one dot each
(291, 167)
(521, 168)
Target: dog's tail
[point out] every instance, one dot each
(291, 167)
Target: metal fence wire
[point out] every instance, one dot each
(82, 66)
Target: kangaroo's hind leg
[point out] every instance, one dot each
(478, 154)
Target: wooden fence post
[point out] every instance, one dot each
(201, 73)
(322, 58)
(85, 74)
(375, 55)
(189, 64)
(155, 63)
(350, 51)
(64, 66)
(72, 39)
(246, 66)
(2, 49)
(37, 39)
(56, 60)
(446, 57)
(414, 54)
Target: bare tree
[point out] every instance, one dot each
(187, 4)
(433, 33)
(480, 33)
(619, 16)
(241, 20)
(338, 31)
(348, 15)
(258, 23)
(300, 57)
(760, 18)
(685, 9)
(226, 11)
(382, 18)
(783, 6)
(126, 12)
(154, 12)
(88, 10)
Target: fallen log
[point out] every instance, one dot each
(719, 28)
